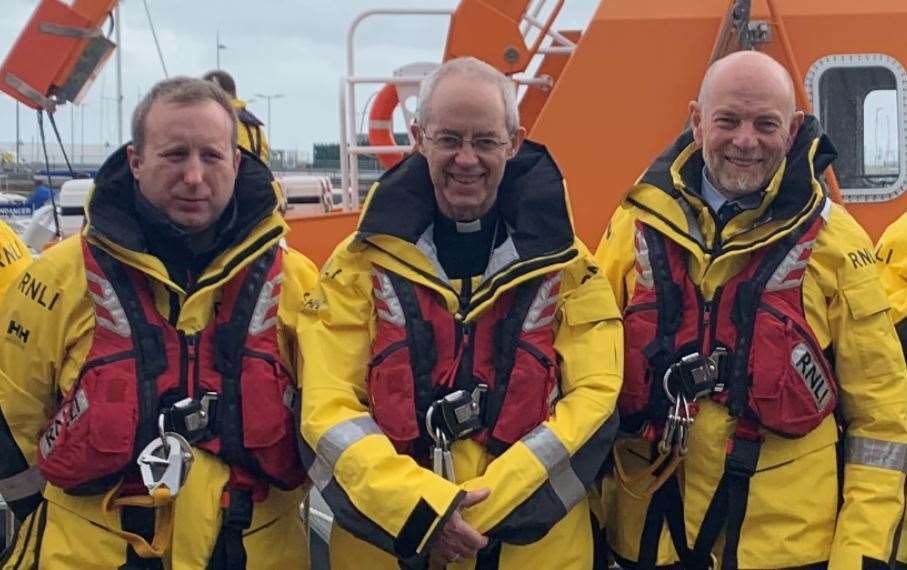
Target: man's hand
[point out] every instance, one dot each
(458, 540)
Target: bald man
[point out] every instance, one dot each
(757, 337)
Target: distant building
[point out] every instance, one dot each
(326, 156)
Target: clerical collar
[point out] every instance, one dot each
(468, 227)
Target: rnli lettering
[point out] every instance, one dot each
(37, 292)
(884, 257)
(69, 413)
(18, 331)
(10, 252)
(862, 257)
(807, 366)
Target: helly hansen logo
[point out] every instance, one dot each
(810, 371)
(18, 331)
(69, 413)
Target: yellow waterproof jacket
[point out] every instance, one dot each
(14, 256)
(792, 517)
(42, 356)
(538, 486)
(891, 259)
(250, 133)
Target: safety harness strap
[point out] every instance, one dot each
(423, 355)
(148, 342)
(229, 552)
(661, 352)
(506, 338)
(230, 339)
(727, 508)
(666, 505)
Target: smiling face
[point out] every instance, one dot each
(745, 121)
(187, 166)
(465, 181)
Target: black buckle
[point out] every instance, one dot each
(696, 376)
(193, 419)
(458, 414)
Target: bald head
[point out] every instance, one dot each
(750, 68)
(745, 119)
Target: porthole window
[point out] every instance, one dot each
(859, 98)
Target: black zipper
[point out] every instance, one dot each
(188, 350)
(534, 351)
(804, 334)
(102, 360)
(640, 307)
(269, 358)
(388, 350)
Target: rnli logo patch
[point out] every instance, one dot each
(810, 372)
(67, 416)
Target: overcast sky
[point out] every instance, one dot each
(290, 47)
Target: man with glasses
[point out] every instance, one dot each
(465, 352)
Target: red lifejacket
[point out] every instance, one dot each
(775, 373)
(421, 353)
(139, 364)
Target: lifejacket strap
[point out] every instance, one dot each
(148, 341)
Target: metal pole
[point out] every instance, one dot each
(82, 131)
(72, 130)
(269, 97)
(119, 76)
(18, 140)
(269, 121)
(218, 50)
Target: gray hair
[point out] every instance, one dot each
(182, 91)
(480, 70)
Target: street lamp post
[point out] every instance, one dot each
(220, 46)
(269, 97)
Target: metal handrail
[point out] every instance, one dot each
(350, 168)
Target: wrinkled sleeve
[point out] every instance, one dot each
(616, 255)
(557, 462)
(34, 315)
(891, 254)
(14, 257)
(378, 495)
(870, 368)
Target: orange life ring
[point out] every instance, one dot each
(381, 124)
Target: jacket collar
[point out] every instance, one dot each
(668, 194)
(532, 203)
(531, 199)
(115, 215)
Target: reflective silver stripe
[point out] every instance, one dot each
(554, 456)
(22, 485)
(334, 442)
(877, 453)
(426, 245)
(267, 298)
(109, 301)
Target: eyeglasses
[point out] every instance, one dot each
(453, 143)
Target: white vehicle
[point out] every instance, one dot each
(309, 194)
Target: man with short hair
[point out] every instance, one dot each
(250, 134)
(749, 332)
(149, 378)
(462, 353)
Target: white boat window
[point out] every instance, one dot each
(859, 98)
